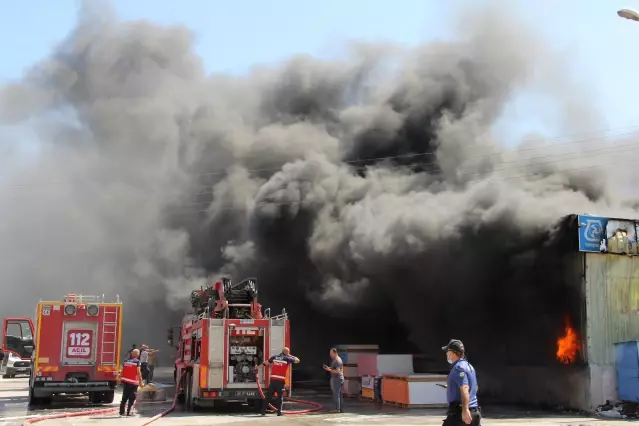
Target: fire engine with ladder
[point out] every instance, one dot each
(77, 347)
(221, 343)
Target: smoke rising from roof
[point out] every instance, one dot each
(367, 186)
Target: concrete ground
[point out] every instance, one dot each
(13, 412)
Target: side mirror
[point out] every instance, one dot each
(170, 337)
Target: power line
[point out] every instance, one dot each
(492, 180)
(413, 155)
(438, 169)
(433, 152)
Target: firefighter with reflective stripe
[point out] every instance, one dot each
(131, 378)
(279, 371)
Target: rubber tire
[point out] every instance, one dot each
(33, 400)
(256, 405)
(108, 397)
(188, 392)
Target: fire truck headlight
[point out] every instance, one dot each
(69, 310)
(92, 310)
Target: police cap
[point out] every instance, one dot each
(456, 346)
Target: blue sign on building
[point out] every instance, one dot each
(592, 232)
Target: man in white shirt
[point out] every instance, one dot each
(144, 361)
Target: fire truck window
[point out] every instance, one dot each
(14, 329)
(198, 348)
(18, 339)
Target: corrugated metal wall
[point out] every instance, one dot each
(612, 300)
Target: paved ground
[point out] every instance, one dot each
(13, 411)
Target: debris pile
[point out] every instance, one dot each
(618, 410)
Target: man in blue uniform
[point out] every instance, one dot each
(463, 406)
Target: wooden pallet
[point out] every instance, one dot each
(399, 404)
(416, 377)
(367, 398)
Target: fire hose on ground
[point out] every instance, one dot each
(172, 407)
(316, 406)
(103, 411)
(66, 415)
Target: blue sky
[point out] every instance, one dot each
(235, 35)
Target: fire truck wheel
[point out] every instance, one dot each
(188, 392)
(33, 401)
(255, 404)
(105, 397)
(108, 397)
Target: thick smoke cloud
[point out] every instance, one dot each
(369, 190)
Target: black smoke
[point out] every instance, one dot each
(369, 195)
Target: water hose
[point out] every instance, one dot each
(90, 413)
(316, 406)
(172, 407)
(65, 415)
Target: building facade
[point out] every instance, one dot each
(610, 276)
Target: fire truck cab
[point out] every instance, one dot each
(77, 349)
(221, 343)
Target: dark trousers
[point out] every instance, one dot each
(454, 417)
(129, 392)
(144, 368)
(276, 386)
(338, 393)
(151, 370)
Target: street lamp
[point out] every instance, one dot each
(628, 14)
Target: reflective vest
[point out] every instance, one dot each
(280, 363)
(130, 371)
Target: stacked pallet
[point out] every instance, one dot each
(378, 365)
(372, 388)
(349, 355)
(373, 366)
(414, 390)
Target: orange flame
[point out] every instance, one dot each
(568, 345)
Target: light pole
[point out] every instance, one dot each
(629, 14)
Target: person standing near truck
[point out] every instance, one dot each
(131, 378)
(152, 361)
(144, 361)
(133, 347)
(279, 371)
(337, 380)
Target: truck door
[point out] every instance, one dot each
(17, 337)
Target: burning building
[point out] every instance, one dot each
(602, 268)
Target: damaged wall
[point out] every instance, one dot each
(612, 295)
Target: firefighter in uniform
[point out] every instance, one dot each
(131, 378)
(463, 406)
(279, 371)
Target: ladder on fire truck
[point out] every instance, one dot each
(109, 348)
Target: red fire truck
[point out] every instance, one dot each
(222, 341)
(77, 348)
